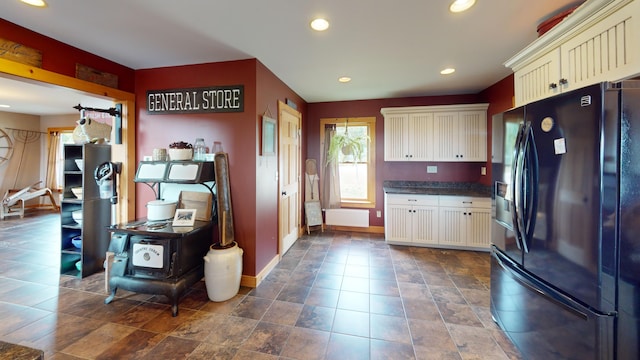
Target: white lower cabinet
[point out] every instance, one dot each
(436, 220)
(411, 219)
(465, 221)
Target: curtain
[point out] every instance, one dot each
(54, 162)
(331, 177)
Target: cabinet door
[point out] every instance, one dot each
(452, 229)
(396, 137)
(421, 136)
(448, 144)
(397, 225)
(473, 135)
(538, 80)
(478, 228)
(425, 224)
(604, 52)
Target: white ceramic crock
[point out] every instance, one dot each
(160, 210)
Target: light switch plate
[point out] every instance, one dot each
(432, 169)
(483, 170)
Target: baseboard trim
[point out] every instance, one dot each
(370, 229)
(254, 281)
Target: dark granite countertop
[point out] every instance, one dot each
(436, 188)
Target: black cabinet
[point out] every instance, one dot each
(87, 257)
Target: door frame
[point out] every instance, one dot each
(124, 153)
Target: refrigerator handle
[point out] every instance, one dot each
(516, 186)
(530, 206)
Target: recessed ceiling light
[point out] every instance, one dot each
(447, 71)
(344, 79)
(461, 5)
(319, 24)
(4, 106)
(37, 3)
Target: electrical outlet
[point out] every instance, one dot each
(432, 169)
(379, 213)
(483, 170)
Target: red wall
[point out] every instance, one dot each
(254, 194)
(500, 98)
(61, 58)
(236, 131)
(415, 171)
(270, 91)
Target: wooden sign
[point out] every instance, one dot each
(19, 53)
(313, 213)
(87, 73)
(196, 100)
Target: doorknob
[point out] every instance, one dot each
(284, 193)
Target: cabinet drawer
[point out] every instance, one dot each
(406, 199)
(465, 201)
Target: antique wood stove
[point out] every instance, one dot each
(155, 257)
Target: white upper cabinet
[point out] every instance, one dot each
(593, 44)
(407, 137)
(436, 133)
(462, 136)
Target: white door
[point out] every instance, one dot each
(289, 208)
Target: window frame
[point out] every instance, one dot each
(370, 122)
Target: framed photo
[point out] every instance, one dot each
(268, 136)
(184, 217)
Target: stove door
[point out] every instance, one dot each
(150, 257)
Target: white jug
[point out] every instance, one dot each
(222, 272)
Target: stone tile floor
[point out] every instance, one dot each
(334, 295)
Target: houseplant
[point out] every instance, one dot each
(347, 143)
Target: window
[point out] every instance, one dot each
(356, 173)
(55, 163)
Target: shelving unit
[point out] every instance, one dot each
(96, 212)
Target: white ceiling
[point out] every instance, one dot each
(389, 48)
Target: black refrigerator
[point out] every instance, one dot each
(565, 255)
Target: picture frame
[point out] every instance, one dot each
(184, 217)
(269, 142)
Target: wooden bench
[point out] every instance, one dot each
(13, 203)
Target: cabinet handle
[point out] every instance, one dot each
(553, 86)
(563, 81)
(467, 202)
(412, 199)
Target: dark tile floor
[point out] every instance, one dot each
(334, 295)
